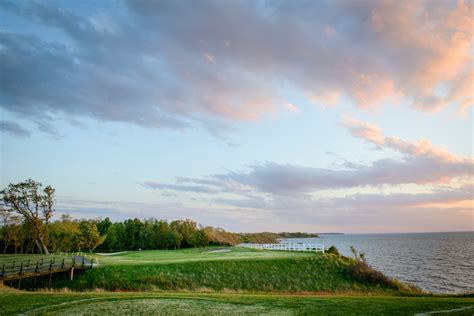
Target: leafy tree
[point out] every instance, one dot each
(133, 228)
(104, 225)
(35, 204)
(62, 235)
(89, 236)
(10, 232)
(200, 239)
(186, 229)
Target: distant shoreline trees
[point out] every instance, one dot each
(26, 227)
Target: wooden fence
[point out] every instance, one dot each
(26, 269)
(287, 247)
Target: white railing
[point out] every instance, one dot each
(286, 247)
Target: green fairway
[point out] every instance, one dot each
(193, 254)
(152, 257)
(223, 304)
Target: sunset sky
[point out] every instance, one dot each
(317, 116)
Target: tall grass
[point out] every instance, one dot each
(315, 273)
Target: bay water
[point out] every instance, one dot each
(435, 262)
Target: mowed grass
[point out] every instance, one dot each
(224, 304)
(153, 257)
(194, 254)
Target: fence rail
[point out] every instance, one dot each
(287, 247)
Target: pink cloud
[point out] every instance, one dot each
(292, 108)
(370, 89)
(363, 130)
(374, 134)
(431, 45)
(325, 98)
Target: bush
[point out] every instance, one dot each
(361, 271)
(333, 250)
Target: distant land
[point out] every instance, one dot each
(297, 235)
(331, 234)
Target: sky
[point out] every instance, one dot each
(316, 116)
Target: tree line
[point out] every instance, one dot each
(26, 227)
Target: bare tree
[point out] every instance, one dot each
(34, 204)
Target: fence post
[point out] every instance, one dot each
(50, 272)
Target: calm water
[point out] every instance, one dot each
(437, 262)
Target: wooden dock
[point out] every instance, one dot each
(287, 247)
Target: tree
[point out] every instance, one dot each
(200, 239)
(34, 204)
(89, 236)
(62, 235)
(186, 229)
(10, 230)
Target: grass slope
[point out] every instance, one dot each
(223, 304)
(242, 270)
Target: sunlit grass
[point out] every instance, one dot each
(193, 254)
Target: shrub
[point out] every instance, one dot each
(333, 250)
(361, 271)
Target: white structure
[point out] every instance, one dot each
(287, 247)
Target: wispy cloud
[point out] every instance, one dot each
(292, 108)
(179, 187)
(444, 182)
(14, 129)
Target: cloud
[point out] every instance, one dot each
(254, 202)
(373, 134)
(422, 163)
(178, 187)
(168, 64)
(121, 210)
(292, 108)
(287, 179)
(363, 130)
(14, 129)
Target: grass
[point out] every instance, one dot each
(148, 257)
(223, 304)
(211, 269)
(189, 255)
(237, 270)
(240, 281)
